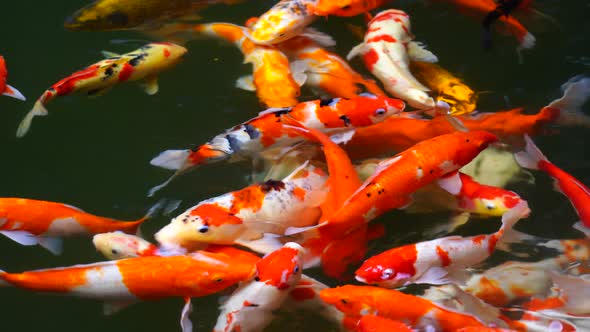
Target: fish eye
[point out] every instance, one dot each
(219, 280)
(203, 229)
(344, 301)
(380, 111)
(347, 7)
(490, 206)
(296, 269)
(257, 279)
(114, 251)
(387, 274)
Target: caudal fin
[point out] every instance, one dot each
(152, 212)
(25, 124)
(3, 283)
(575, 93)
(171, 159)
(13, 92)
(531, 156)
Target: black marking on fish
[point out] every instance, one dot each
(326, 102)
(281, 111)
(272, 185)
(251, 131)
(108, 73)
(119, 19)
(345, 119)
(234, 144)
(136, 60)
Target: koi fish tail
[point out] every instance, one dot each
(171, 159)
(575, 93)
(38, 110)
(152, 213)
(3, 282)
(531, 156)
(13, 92)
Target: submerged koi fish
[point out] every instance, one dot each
(124, 282)
(435, 261)
(30, 222)
(344, 7)
(571, 298)
(326, 70)
(244, 216)
(386, 52)
(250, 308)
(7, 89)
(305, 296)
(574, 190)
(262, 133)
(447, 87)
(144, 64)
(286, 19)
(358, 301)
(372, 323)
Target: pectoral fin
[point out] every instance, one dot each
(185, 321)
(110, 308)
(150, 85)
(246, 83)
(53, 244)
(108, 54)
(21, 237)
(434, 276)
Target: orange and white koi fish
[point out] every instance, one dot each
(372, 323)
(286, 19)
(264, 132)
(358, 301)
(244, 216)
(142, 64)
(250, 308)
(386, 52)
(344, 7)
(571, 299)
(7, 89)
(435, 261)
(30, 222)
(305, 296)
(572, 188)
(325, 70)
(124, 282)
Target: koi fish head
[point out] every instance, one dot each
(157, 56)
(349, 299)
(208, 222)
(282, 268)
(283, 21)
(374, 108)
(118, 245)
(104, 17)
(497, 205)
(393, 15)
(275, 85)
(389, 269)
(459, 96)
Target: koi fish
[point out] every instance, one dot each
(143, 64)
(119, 245)
(325, 70)
(124, 282)
(372, 323)
(386, 52)
(7, 89)
(483, 329)
(344, 7)
(262, 133)
(358, 301)
(245, 215)
(435, 261)
(305, 296)
(447, 87)
(577, 193)
(399, 133)
(571, 300)
(30, 222)
(250, 308)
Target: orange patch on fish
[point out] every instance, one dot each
(250, 197)
(56, 280)
(215, 215)
(444, 256)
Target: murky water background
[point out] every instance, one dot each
(94, 153)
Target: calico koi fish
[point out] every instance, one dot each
(286, 19)
(386, 52)
(30, 222)
(435, 261)
(574, 190)
(344, 7)
(124, 282)
(372, 323)
(250, 308)
(325, 70)
(358, 301)
(262, 133)
(447, 87)
(245, 215)
(142, 64)
(7, 89)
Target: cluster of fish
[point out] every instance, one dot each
(326, 169)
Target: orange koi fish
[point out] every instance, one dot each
(435, 261)
(386, 52)
(7, 89)
(574, 190)
(250, 308)
(358, 301)
(30, 222)
(372, 323)
(244, 216)
(124, 282)
(142, 64)
(326, 70)
(344, 7)
(264, 132)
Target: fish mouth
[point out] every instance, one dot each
(361, 279)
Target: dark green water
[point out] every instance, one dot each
(94, 153)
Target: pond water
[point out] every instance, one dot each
(94, 153)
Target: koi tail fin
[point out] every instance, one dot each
(13, 92)
(3, 283)
(171, 159)
(512, 216)
(38, 110)
(152, 213)
(531, 156)
(575, 93)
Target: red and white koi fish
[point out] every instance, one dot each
(574, 190)
(124, 282)
(435, 261)
(571, 298)
(358, 301)
(386, 52)
(245, 215)
(250, 308)
(30, 222)
(344, 7)
(305, 296)
(264, 132)
(326, 70)
(143, 64)
(372, 323)
(7, 89)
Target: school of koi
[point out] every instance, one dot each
(325, 169)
